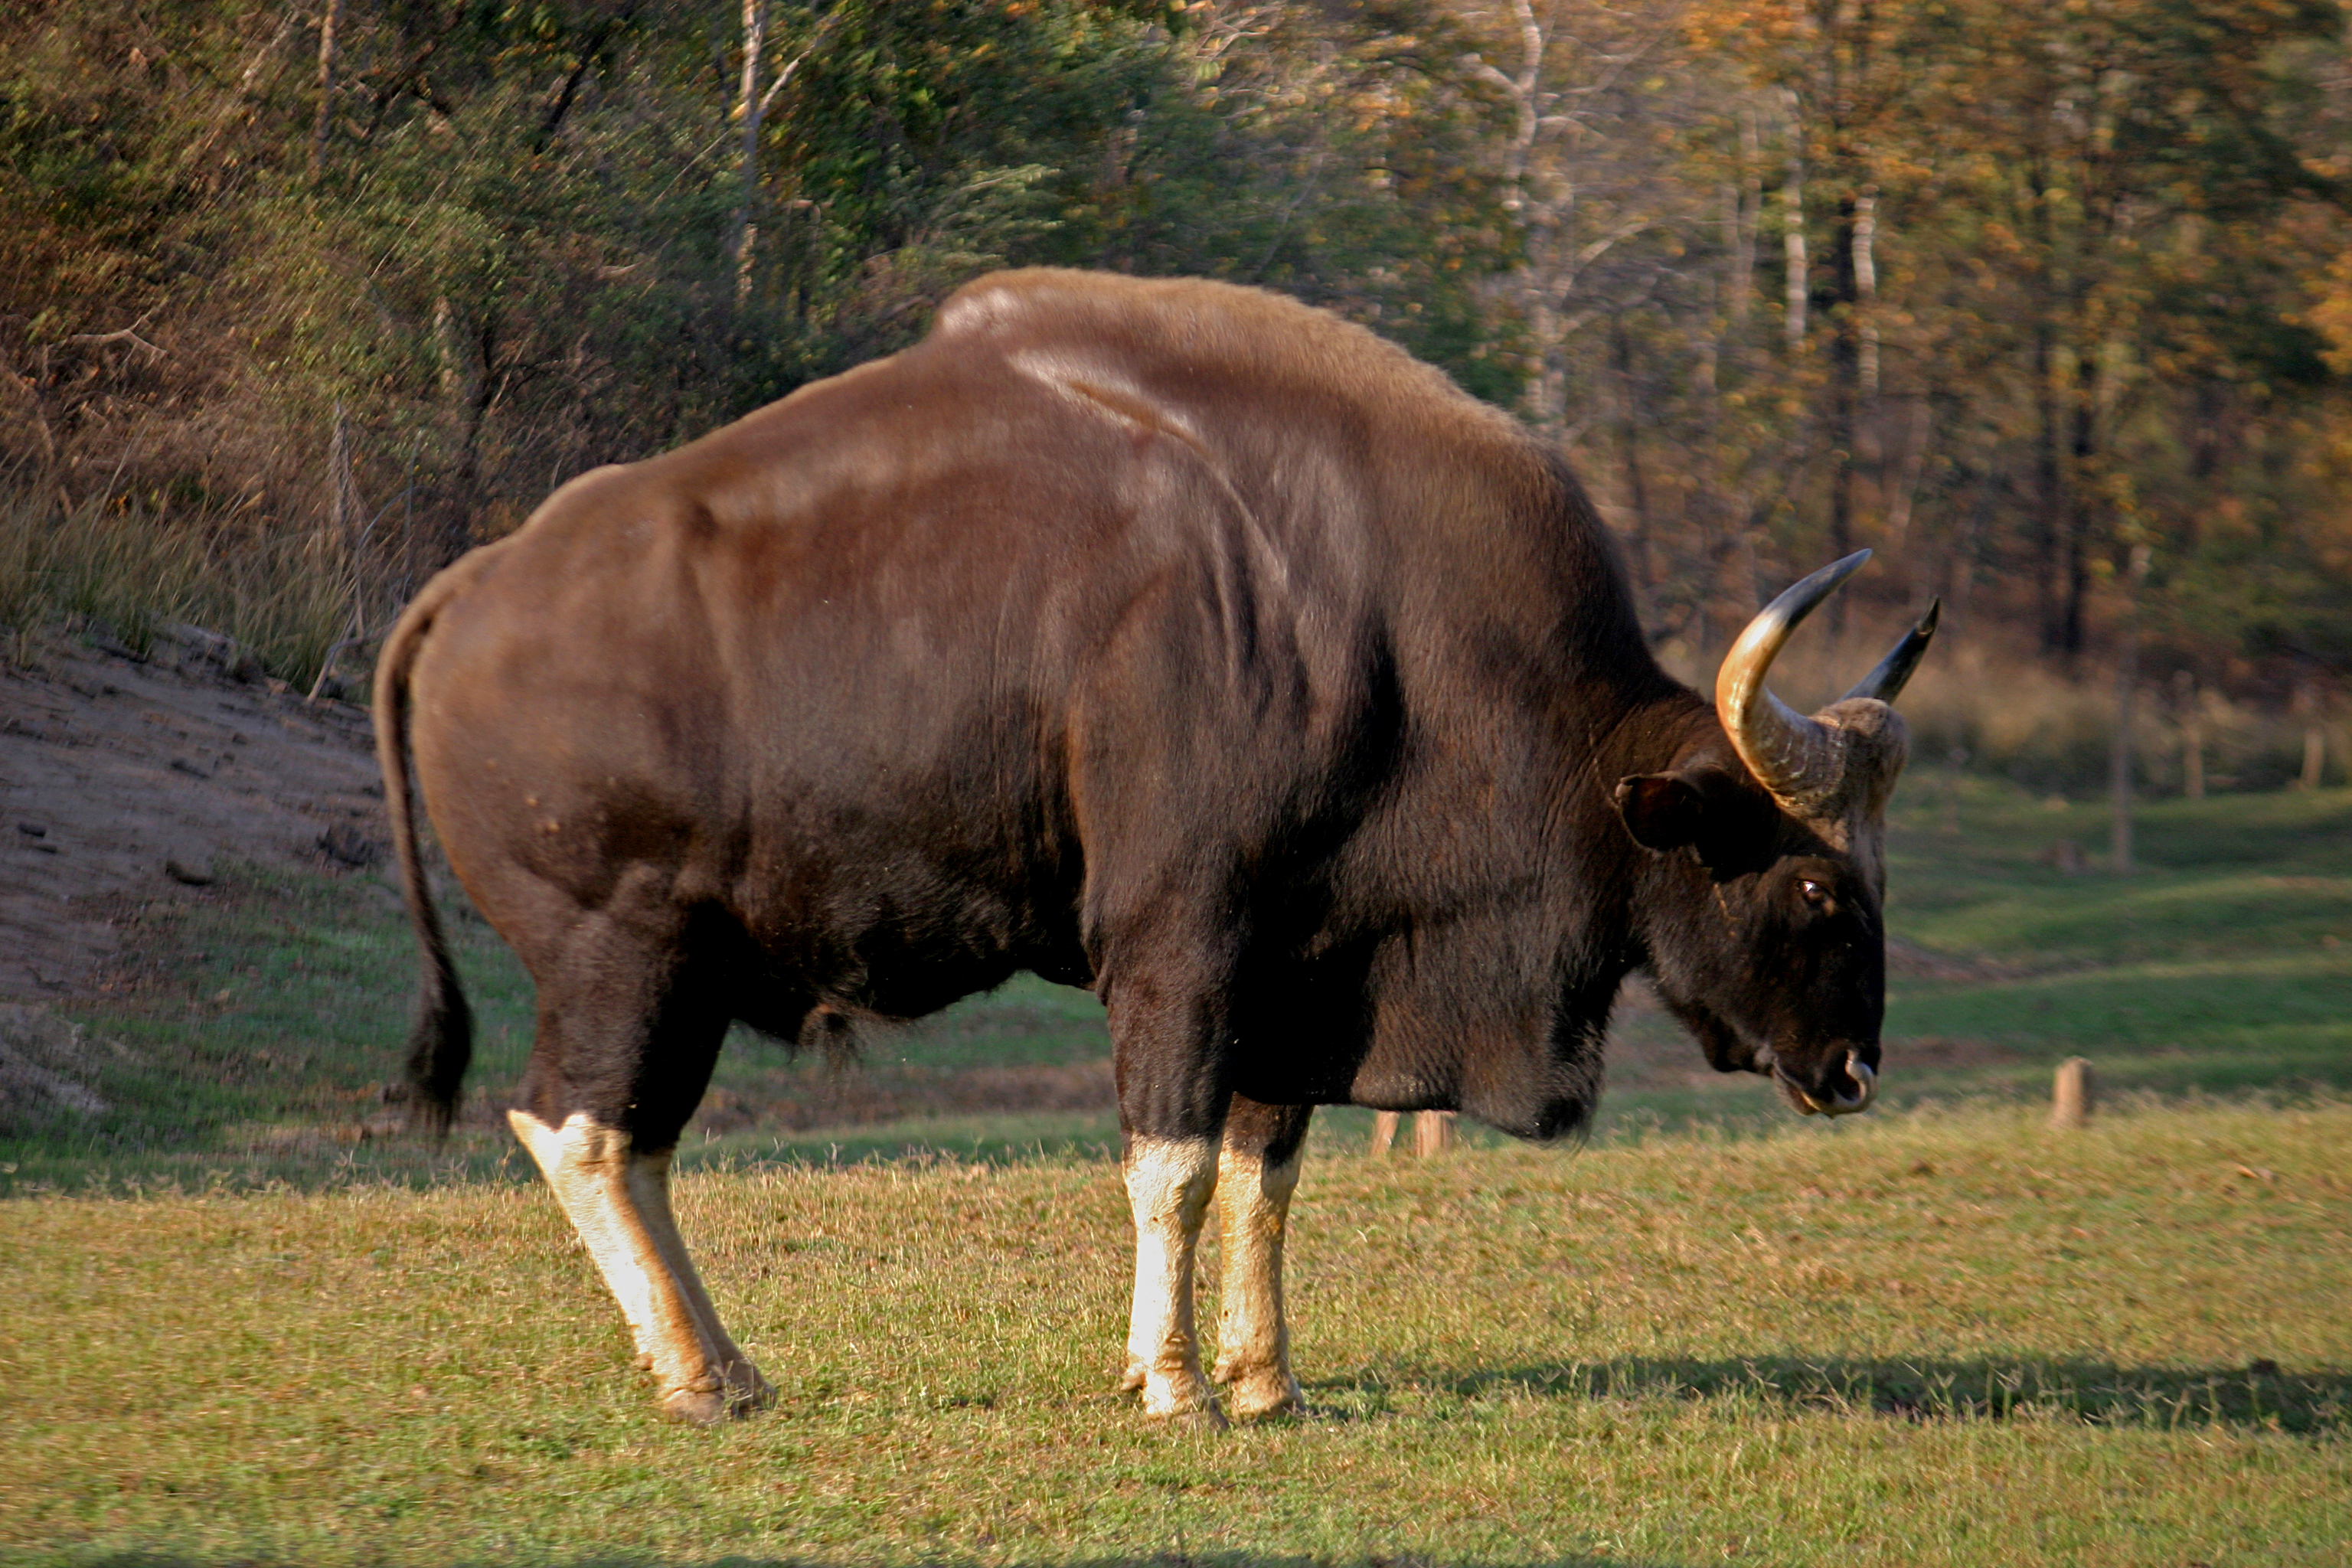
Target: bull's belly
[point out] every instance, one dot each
(899, 952)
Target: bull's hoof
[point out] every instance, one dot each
(1131, 1380)
(696, 1407)
(1265, 1394)
(1182, 1398)
(713, 1398)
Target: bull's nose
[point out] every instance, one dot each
(1848, 1091)
(1864, 1081)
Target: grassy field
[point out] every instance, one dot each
(1925, 1339)
(250, 1327)
(258, 1042)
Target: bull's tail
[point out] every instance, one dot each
(441, 1041)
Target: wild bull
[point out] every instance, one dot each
(1168, 639)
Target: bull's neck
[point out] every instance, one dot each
(1659, 724)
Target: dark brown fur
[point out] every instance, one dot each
(1164, 638)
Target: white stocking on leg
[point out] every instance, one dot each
(618, 1200)
(1253, 1337)
(1168, 1182)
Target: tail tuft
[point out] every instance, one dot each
(440, 1047)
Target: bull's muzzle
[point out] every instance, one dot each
(1840, 1104)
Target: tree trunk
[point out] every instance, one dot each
(1845, 370)
(2119, 774)
(480, 390)
(1904, 494)
(328, 22)
(2193, 735)
(1637, 490)
(2119, 755)
(1747, 209)
(1865, 296)
(745, 234)
(2081, 500)
(2049, 499)
(2047, 473)
(1792, 228)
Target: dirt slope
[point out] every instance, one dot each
(123, 781)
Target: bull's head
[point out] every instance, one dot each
(1763, 928)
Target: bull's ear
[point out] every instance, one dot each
(1662, 811)
(1724, 819)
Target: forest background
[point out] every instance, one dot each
(2050, 304)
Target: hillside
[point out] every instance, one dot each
(127, 780)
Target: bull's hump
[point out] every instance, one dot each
(1123, 335)
(1188, 318)
(1098, 386)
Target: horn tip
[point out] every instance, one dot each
(1835, 573)
(1927, 622)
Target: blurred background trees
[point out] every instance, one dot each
(323, 293)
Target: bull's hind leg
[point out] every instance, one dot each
(1256, 1174)
(625, 1050)
(618, 1199)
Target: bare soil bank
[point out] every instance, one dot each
(125, 780)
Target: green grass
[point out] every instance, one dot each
(1918, 1340)
(2225, 964)
(260, 1039)
(246, 1329)
(261, 1042)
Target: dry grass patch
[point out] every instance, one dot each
(1954, 1339)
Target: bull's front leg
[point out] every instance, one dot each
(617, 1198)
(1168, 1182)
(1168, 1031)
(1256, 1174)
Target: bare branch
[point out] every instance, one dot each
(236, 100)
(784, 77)
(119, 335)
(329, 21)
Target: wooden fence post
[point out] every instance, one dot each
(1433, 1132)
(2119, 758)
(2072, 1096)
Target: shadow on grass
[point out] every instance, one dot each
(2257, 1395)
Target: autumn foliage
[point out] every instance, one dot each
(2007, 292)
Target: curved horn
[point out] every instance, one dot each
(1886, 683)
(1796, 758)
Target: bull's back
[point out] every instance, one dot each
(842, 667)
(817, 671)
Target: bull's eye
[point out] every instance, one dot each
(1816, 893)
